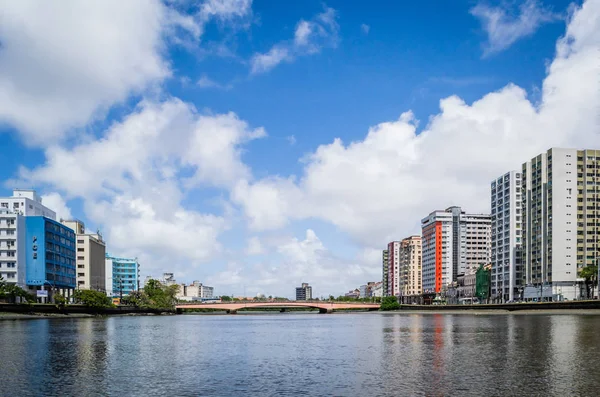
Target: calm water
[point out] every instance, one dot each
(303, 354)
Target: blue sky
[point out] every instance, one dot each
(254, 96)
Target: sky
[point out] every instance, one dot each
(256, 145)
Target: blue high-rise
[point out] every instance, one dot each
(50, 255)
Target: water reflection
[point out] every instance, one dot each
(345, 354)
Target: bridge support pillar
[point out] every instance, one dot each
(325, 311)
(282, 310)
(232, 311)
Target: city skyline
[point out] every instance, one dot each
(256, 148)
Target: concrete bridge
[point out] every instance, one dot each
(233, 307)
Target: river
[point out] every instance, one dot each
(361, 354)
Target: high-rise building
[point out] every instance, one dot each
(560, 218)
(50, 257)
(12, 247)
(453, 243)
(384, 279)
(393, 271)
(410, 266)
(26, 202)
(304, 292)
(507, 268)
(91, 253)
(122, 276)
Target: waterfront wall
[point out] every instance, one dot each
(74, 309)
(593, 304)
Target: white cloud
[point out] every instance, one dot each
(365, 28)
(310, 37)
(64, 64)
(135, 179)
(254, 246)
(377, 189)
(504, 29)
(291, 139)
(291, 262)
(207, 82)
(55, 202)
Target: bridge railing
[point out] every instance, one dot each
(320, 302)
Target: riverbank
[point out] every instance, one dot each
(4, 316)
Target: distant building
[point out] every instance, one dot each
(393, 268)
(50, 257)
(353, 294)
(195, 291)
(410, 266)
(91, 254)
(122, 275)
(453, 243)
(304, 292)
(363, 291)
(377, 290)
(385, 269)
(168, 279)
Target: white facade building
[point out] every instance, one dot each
(507, 268)
(561, 218)
(393, 270)
(28, 203)
(90, 257)
(12, 247)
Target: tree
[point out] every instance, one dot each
(389, 303)
(91, 298)
(12, 291)
(226, 298)
(590, 274)
(159, 296)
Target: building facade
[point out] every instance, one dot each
(453, 243)
(384, 278)
(50, 257)
(393, 270)
(90, 257)
(26, 202)
(506, 212)
(560, 218)
(410, 266)
(304, 292)
(122, 275)
(12, 247)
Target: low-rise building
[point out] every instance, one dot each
(12, 247)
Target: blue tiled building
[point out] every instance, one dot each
(50, 256)
(124, 274)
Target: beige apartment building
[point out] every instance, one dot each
(410, 266)
(90, 257)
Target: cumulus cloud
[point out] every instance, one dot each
(365, 28)
(504, 29)
(134, 180)
(55, 202)
(254, 246)
(378, 188)
(310, 37)
(207, 82)
(64, 64)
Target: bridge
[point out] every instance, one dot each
(233, 307)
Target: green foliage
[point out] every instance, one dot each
(11, 292)
(91, 298)
(154, 296)
(389, 303)
(226, 298)
(60, 300)
(589, 273)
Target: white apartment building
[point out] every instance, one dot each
(410, 266)
(393, 268)
(195, 291)
(384, 276)
(561, 218)
(12, 247)
(90, 257)
(507, 268)
(453, 243)
(26, 202)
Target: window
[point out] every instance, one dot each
(79, 241)
(80, 250)
(81, 258)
